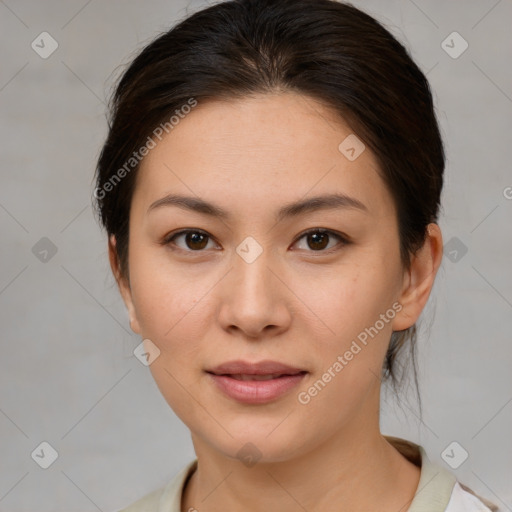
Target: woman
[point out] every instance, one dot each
(270, 187)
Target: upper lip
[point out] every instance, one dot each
(266, 367)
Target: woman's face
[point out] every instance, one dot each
(251, 285)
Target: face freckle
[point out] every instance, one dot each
(303, 308)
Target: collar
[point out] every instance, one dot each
(436, 483)
(432, 495)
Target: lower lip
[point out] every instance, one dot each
(256, 391)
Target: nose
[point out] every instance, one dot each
(254, 301)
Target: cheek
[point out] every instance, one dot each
(348, 298)
(349, 346)
(167, 300)
(172, 315)
(348, 304)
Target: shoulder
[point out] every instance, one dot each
(465, 500)
(166, 498)
(438, 489)
(148, 503)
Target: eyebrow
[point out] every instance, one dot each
(324, 202)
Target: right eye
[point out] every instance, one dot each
(195, 240)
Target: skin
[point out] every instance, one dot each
(293, 304)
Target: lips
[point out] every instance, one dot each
(241, 376)
(256, 383)
(256, 392)
(262, 370)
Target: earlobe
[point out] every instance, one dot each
(419, 279)
(123, 285)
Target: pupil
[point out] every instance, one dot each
(196, 238)
(315, 240)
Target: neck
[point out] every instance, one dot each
(355, 469)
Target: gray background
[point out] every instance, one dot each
(67, 372)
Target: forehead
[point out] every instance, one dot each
(261, 150)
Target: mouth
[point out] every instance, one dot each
(258, 383)
(264, 368)
(256, 377)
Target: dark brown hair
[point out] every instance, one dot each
(328, 50)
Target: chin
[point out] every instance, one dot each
(261, 442)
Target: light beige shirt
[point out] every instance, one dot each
(438, 489)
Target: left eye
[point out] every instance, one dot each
(318, 239)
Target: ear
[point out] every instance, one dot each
(123, 284)
(419, 279)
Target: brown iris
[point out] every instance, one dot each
(318, 240)
(196, 240)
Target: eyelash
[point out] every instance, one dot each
(169, 239)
